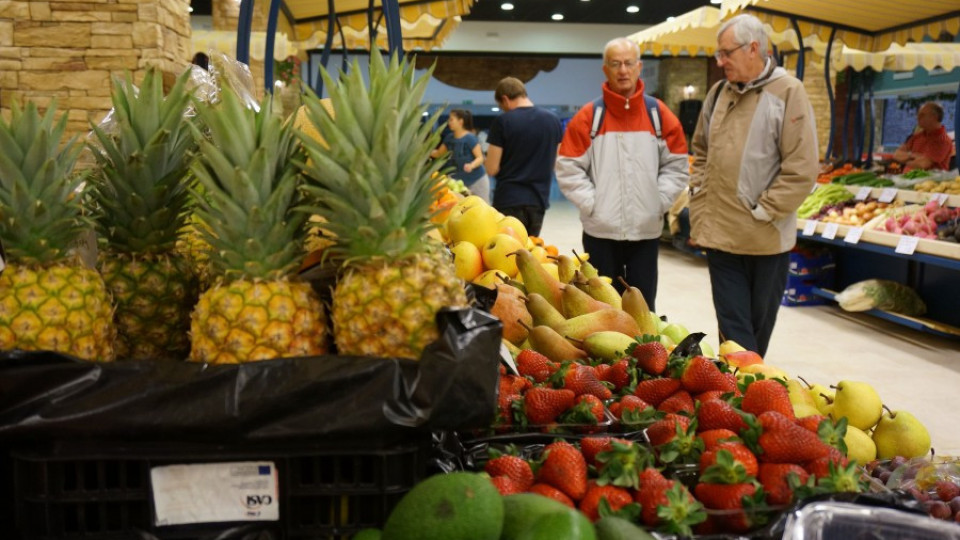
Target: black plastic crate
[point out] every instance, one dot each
(108, 495)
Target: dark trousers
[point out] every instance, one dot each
(747, 290)
(633, 260)
(530, 216)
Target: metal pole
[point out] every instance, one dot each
(244, 26)
(801, 61)
(268, 60)
(325, 56)
(391, 13)
(873, 117)
(830, 98)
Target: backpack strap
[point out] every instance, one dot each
(598, 112)
(654, 109)
(716, 95)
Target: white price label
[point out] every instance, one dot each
(853, 235)
(863, 193)
(507, 359)
(810, 227)
(814, 188)
(941, 198)
(888, 194)
(907, 245)
(830, 230)
(215, 493)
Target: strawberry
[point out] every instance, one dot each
(654, 391)
(564, 468)
(680, 401)
(621, 374)
(615, 497)
(652, 493)
(505, 485)
(732, 497)
(580, 379)
(776, 482)
(700, 374)
(723, 470)
(708, 395)
(591, 446)
(667, 504)
(621, 462)
(513, 467)
(820, 467)
(718, 414)
(664, 430)
(712, 437)
(633, 411)
(543, 405)
(532, 364)
(783, 441)
(767, 395)
(651, 357)
(551, 492)
(812, 422)
(587, 409)
(841, 477)
(602, 370)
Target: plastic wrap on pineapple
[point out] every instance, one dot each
(235, 75)
(202, 85)
(690, 346)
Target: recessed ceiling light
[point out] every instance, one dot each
(557, 16)
(716, 1)
(633, 9)
(506, 6)
(495, 109)
(671, 18)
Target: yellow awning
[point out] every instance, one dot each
(902, 57)
(425, 25)
(869, 25)
(693, 32)
(225, 41)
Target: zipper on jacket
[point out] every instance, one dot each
(627, 106)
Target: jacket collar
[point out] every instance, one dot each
(619, 105)
(771, 72)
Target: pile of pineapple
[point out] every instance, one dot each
(201, 219)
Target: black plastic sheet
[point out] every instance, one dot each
(47, 397)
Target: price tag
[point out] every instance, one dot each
(507, 359)
(853, 235)
(888, 194)
(810, 227)
(215, 492)
(907, 245)
(941, 198)
(863, 193)
(830, 230)
(814, 188)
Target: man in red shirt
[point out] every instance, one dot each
(930, 146)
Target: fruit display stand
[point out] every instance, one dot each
(928, 266)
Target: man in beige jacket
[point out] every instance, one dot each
(755, 161)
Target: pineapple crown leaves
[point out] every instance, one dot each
(681, 512)
(40, 196)
(141, 187)
(250, 184)
(373, 184)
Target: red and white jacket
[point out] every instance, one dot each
(625, 179)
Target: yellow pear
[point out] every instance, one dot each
(860, 446)
(822, 396)
(857, 401)
(768, 371)
(801, 410)
(799, 395)
(899, 433)
(490, 278)
(729, 346)
(551, 269)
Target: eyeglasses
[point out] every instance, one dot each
(615, 64)
(724, 53)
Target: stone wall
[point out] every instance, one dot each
(678, 72)
(69, 50)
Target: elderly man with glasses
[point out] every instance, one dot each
(623, 162)
(755, 161)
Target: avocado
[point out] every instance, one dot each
(460, 505)
(567, 524)
(522, 509)
(615, 528)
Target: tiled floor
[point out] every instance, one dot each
(911, 370)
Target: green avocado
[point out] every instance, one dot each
(460, 505)
(567, 524)
(615, 528)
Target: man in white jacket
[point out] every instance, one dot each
(624, 173)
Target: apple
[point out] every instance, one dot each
(467, 259)
(512, 226)
(742, 358)
(490, 278)
(707, 350)
(730, 346)
(540, 254)
(475, 224)
(497, 253)
(551, 269)
(676, 332)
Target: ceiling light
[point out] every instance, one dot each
(506, 6)
(716, 1)
(495, 109)
(557, 16)
(633, 9)
(670, 18)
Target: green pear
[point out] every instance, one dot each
(858, 402)
(661, 324)
(581, 326)
(899, 433)
(676, 331)
(633, 302)
(860, 446)
(588, 270)
(602, 291)
(577, 302)
(548, 342)
(607, 344)
(707, 350)
(566, 267)
(536, 279)
(543, 312)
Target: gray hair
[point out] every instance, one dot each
(746, 29)
(621, 42)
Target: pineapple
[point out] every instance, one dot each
(48, 299)
(257, 309)
(373, 188)
(141, 190)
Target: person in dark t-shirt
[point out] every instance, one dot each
(465, 153)
(522, 151)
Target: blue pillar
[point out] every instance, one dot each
(244, 26)
(801, 61)
(325, 57)
(391, 14)
(830, 99)
(270, 45)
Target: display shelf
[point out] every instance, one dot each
(907, 195)
(916, 323)
(935, 252)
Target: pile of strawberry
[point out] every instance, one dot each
(747, 451)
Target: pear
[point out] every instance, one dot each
(799, 395)
(899, 433)
(707, 350)
(858, 402)
(511, 307)
(860, 446)
(802, 410)
(536, 279)
(511, 348)
(577, 302)
(601, 290)
(768, 371)
(633, 302)
(730, 346)
(566, 267)
(822, 396)
(587, 269)
(543, 312)
(581, 326)
(607, 344)
(548, 342)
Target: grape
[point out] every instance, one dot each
(947, 490)
(938, 509)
